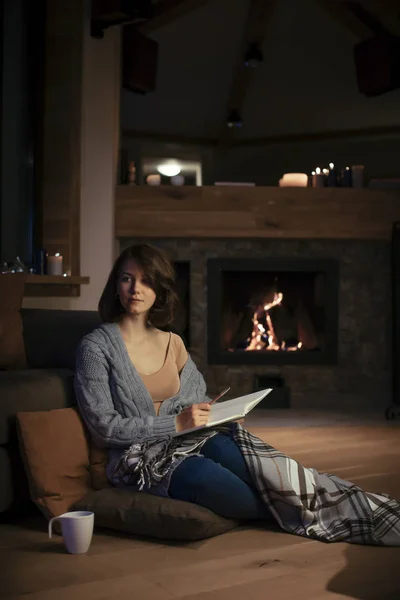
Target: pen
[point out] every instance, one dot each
(220, 395)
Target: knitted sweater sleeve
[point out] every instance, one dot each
(106, 425)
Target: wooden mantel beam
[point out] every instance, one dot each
(254, 212)
(255, 30)
(169, 10)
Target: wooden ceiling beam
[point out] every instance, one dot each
(341, 11)
(381, 6)
(169, 10)
(254, 32)
(382, 19)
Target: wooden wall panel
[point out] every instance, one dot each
(61, 176)
(198, 212)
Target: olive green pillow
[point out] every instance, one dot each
(145, 514)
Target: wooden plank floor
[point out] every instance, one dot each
(253, 562)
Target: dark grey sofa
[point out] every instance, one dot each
(51, 338)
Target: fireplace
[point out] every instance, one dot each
(351, 369)
(272, 311)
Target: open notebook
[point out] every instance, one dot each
(230, 410)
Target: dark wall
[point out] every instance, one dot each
(265, 165)
(22, 28)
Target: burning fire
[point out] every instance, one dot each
(264, 338)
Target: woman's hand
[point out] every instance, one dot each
(193, 416)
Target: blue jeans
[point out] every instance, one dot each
(219, 480)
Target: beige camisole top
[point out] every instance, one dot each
(165, 383)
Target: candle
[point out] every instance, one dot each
(153, 179)
(357, 176)
(318, 178)
(294, 180)
(55, 264)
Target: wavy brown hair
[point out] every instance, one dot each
(160, 273)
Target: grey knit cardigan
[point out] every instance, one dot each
(112, 398)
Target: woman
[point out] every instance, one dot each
(137, 386)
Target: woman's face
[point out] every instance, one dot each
(134, 291)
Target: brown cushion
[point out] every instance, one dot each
(56, 455)
(55, 452)
(12, 350)
(145, 514)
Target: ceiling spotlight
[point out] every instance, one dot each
(253, 56)
(169, 169)
(234, 119)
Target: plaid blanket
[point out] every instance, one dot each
(302, 500)
(318, 505)
(146, 464)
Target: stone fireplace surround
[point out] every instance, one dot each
(361, 379)
(353, 227)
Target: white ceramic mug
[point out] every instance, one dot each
(77, 530)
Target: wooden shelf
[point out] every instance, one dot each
(254, 212)
(57, 279)
(54, 285)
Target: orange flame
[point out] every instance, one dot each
(256, 342)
